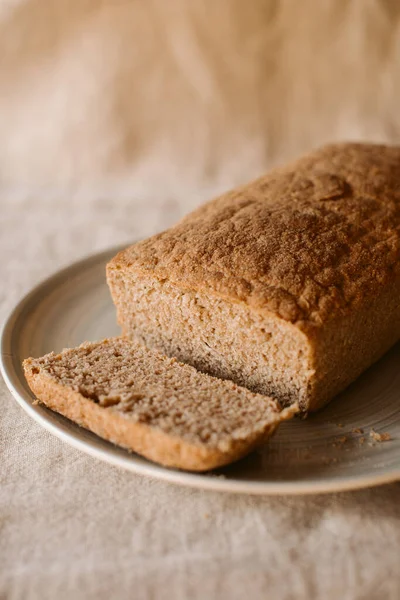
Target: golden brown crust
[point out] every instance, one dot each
(112, 423)
(307, 242)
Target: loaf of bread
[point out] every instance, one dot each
(153, 405)
(289, 286)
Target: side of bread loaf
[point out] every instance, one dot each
(288, 286)
(153, 405)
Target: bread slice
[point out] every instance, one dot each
(289, 286)
(153, 405)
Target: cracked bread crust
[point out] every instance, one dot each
(306, 242)
(297, 276)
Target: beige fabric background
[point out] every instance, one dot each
(117, 117)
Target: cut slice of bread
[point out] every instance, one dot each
(165, 410)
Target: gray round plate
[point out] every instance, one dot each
(330, 451)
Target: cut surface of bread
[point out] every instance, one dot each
(288, 285)
(154, 405)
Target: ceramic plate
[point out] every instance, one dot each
(336, 449)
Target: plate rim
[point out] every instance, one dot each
(73, 436)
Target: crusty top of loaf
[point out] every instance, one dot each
(147, 387)
(305, 242)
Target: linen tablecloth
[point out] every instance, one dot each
(75, 528)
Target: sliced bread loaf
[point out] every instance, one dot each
(289, 285)
(153, 405)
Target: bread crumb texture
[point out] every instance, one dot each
(151, 389)
(380, 437)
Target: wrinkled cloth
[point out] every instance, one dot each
(107, 94)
